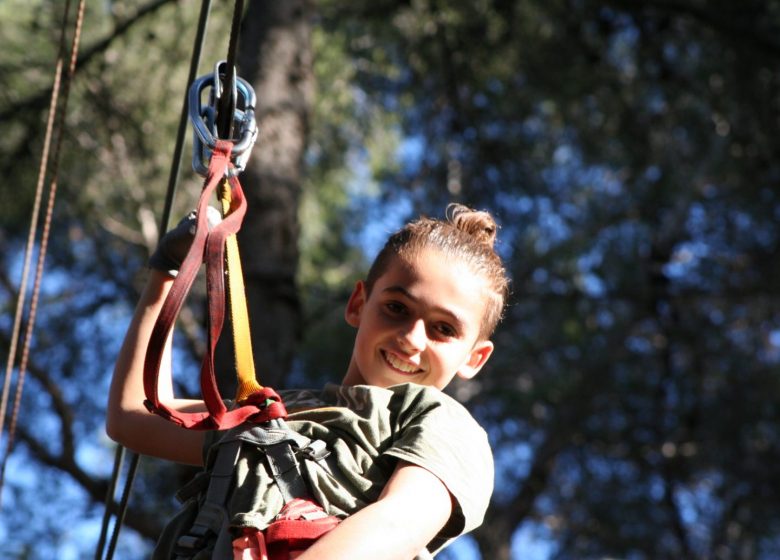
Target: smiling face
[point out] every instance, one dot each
(419, 324)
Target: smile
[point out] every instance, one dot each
(400, 365)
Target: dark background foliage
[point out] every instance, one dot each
(629, 151)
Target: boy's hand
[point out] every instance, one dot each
(173, 246)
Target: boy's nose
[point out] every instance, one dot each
(413, 336)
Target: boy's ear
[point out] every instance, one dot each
(477, 358)
(355, 304)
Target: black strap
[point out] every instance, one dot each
(212, 518)
(286, 471)
(281, 447)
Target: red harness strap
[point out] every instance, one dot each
(209, 247)
(299, 524)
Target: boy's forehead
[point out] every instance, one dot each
(432, 279)
(429, 265)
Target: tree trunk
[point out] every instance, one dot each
(494, 537)
(275, 57)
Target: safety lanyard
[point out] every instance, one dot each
(255, 401)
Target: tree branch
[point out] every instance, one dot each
(40, 100)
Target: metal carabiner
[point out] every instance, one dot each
(203, 119)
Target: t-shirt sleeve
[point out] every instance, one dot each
(437, 433)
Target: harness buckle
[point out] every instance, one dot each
(316, 450)
(204, 117)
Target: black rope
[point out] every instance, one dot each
(120, 516)
(173, 178)
(119, 458)
(227, 102)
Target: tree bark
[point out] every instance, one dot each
(275, 57)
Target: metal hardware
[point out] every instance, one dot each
(316, 450)
(203, 118)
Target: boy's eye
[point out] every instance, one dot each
(395, 308)
(446, 330)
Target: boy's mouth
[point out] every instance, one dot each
(400, 365)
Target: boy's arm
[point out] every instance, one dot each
(128, 421)
(413, 508)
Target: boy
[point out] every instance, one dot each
(408, 468)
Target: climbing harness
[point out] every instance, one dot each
(300, 522)
(257, 420)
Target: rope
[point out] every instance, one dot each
(34, 221)
(119, 458)
(173, 178)
(59, 126)
(227, 102)
(120, 516)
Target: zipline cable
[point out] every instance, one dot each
(173, 178)
(227, 102)
(56, 122)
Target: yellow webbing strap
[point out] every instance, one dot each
(242, 341)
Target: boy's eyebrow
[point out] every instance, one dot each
(454, 317)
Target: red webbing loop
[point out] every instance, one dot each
(209, 247)
(298, 526)
(300, 523)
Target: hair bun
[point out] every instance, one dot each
(478, 223)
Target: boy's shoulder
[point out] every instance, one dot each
(358, 396)
(397, 406)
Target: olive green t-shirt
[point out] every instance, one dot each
(367, 430)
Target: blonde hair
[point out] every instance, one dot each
(465, 234)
